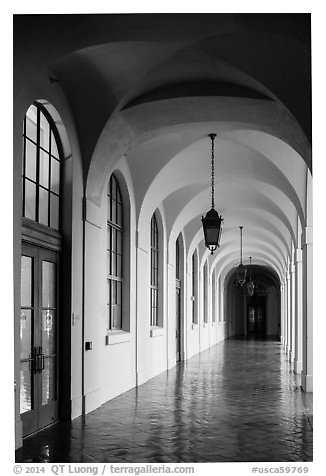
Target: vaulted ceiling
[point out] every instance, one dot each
(153, 86)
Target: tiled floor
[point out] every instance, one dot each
(238, 401)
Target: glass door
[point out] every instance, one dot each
(38, 338)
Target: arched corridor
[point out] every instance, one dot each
(114, 167)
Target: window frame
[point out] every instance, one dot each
(214, 302)
(49, 155)
(115, 273)
(177, 259)
(205, 290)
(194, 285)
(154, 273)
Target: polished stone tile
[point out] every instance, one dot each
(238, 401)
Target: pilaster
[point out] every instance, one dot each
(307, 273)
(298, 300)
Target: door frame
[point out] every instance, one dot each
(41, 236)
(41, 415)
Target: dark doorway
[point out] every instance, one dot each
(256, 316)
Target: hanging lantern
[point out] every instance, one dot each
(212, 223)
(251, 284)
(242, 270)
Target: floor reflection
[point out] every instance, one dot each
(238, 401)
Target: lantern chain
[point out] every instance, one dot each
(240, 244)
(212, 136)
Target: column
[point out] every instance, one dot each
(307, 357)
(298, 300)
(293, 312)
(285, 308)
(282, 313)
(288, 311)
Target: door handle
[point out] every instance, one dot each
(38, 360)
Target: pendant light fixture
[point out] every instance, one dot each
(212, 223)
(250, 285)
(242, 270)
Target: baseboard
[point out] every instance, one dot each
(93, 400)
(76, 407)
(307, 382)
(18, 434)
(141, 376)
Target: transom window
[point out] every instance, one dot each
(154, 271)
(41, 169)
(114, 255)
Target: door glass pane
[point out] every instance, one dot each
(30, 193)
(54, 211)
(48, 284)
(25, 333)
(43, 207)
(49, 380)
(44, 169)
(26, 281)
(30, 170)
(25, 388)
(48, 332)
(55, 176)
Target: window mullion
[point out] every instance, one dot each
(49, 177)
(24, 165)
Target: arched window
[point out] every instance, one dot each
(205, 271)
(194, 289)
(154, 271)
(177, 259)
(214, 296)
(41, 170)
(114, 255)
